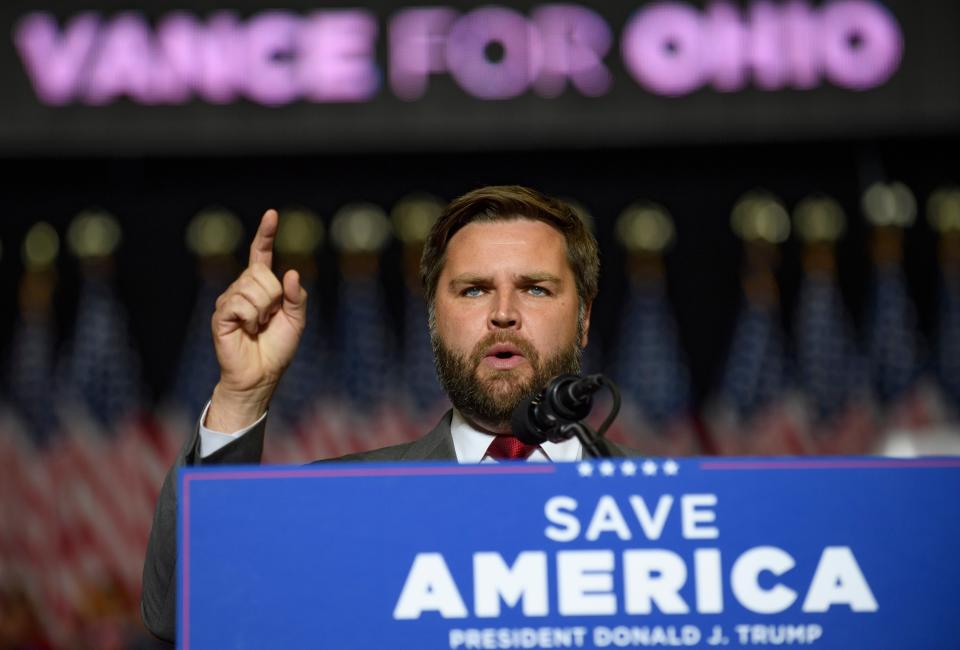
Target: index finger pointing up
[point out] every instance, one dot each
(261, 249)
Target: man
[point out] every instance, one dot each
(510, 277)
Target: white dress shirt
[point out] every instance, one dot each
(211, 441)
(469, 444)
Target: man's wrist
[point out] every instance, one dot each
(232, 411)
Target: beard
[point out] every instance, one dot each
(491, 400)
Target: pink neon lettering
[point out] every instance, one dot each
(862, 44)
(467, 58)
(175, 74)
(222, 58)
(123, 63)
(278, 57)
(53, 61)
(575, 40)
(671, 49)
(662, 48)
(560, 42)
(725, 47)
(766, 51)
(337, 52)
(274, 58)
(418, 48)
(801, 39)
(271, 58)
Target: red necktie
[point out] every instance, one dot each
(509, 448)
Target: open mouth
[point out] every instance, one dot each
(504, 351)
(504, 356)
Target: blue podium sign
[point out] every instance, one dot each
(827, 553)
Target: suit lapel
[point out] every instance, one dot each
(436, 445)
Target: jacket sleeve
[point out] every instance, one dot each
(158, 602)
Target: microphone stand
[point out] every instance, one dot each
(594, 445)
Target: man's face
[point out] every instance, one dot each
(506, 317)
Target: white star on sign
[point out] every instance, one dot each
(607, 468)
(628, 468)
(670, 468)
(585, 469)
(649, 467)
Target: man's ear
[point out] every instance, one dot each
(586, 325)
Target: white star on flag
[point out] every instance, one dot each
(607, 468)
(628, 468)
(585, 469)
(649, 467)
(670, 468)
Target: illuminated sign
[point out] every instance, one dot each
(278, 57)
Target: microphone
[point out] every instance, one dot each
(565, 400)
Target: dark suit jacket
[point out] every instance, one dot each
(158, 604)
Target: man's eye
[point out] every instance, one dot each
(473, 292)
(538, 291)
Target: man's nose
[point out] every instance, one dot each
(504, 313)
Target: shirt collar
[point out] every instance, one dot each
(471, 445)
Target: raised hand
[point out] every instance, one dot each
(256, 330)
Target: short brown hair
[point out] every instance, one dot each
(504, 203)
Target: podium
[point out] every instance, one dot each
(626, 553)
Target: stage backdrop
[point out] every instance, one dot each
(128, 77)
